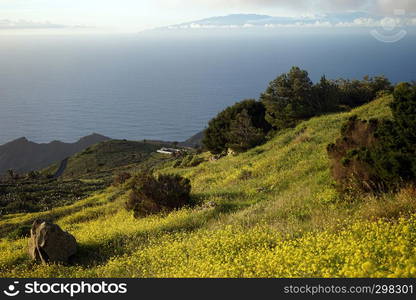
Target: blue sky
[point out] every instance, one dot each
(136, 15)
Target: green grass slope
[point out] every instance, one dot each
(277, 214)
(103, 159)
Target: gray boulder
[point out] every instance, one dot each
(48, 243)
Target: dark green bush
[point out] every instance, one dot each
(150, 194)
(217, 137)
(404, 113)
(379, 155)
(394, 158)
(354, 93)
(242, 135)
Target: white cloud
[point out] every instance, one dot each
(317, 24)
(388, 7)
(23, 24)
(7, 24)
(361, 22)
(134, 15)
(385, 7)
(209, 26)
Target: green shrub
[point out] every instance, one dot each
(151, 195)
(395, 155)
(404, 113)
(354, 93)
(242, 135)
(216, 136)
(379, 155)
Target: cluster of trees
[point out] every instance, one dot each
(353, 93)
(290, 98)
(378, 155)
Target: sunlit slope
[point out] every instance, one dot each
(277, 214)
(103, 159)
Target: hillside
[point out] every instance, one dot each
(78, 176)
(276, 214)
(22, 155)
(101, 160)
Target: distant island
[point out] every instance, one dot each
(348, 19)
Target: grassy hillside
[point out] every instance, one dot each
(83, 174)
(277, 214)
(103, 159)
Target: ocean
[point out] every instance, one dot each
(166, 86)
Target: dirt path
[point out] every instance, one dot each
(61, 169)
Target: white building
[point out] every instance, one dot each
(169, 151)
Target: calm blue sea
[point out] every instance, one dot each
(168, 85)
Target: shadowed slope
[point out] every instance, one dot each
(23, 155)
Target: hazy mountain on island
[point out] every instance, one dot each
(22, 155)
(243, 21)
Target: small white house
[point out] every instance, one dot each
(169, 151)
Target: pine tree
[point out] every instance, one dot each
(289, 99)
(326, 96)
(242, 135)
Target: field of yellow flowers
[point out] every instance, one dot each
(277, 214)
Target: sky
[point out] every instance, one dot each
(137, 15)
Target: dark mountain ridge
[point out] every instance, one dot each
(22, 155)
